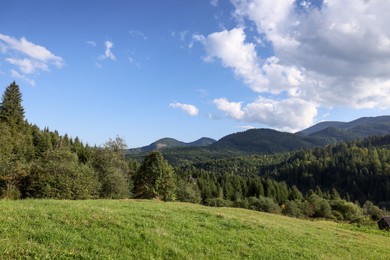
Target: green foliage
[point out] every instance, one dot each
(295, 194)
(264, 204)
(348, 211)
(11, 109)
(113, 173)
(372, 211)
(318, 207)
(218, 202)
(58, 174)
(155, 179)
(187, 191)
(292, 209)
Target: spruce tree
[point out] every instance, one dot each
(11, 109)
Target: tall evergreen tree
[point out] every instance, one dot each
(11, 109)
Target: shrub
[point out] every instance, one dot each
(264, 204)
(291, 208)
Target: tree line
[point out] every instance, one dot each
(38, 163)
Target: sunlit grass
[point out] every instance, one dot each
(123, 229)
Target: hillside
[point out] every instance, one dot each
(262, 141)
(331, 132)
(130, 229)
(171, 143)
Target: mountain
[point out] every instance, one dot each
(165, 143)
(320, 126)
(268, 141)
(331, 132)
(262, 141)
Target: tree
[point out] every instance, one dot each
(59, 174)
(155, 179)
(11, 109)
(188, 191)
(295, 194)
(113, 170)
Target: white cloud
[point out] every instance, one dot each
(27, 66)
(288, 114)
(214, 2)
(16, 74)
(232, 109)
(262, 76)
(231, 49)
(29, 49)
(340, 58)
(92, 43)
(197, 38)
(314, 55)
(28, 57)
(108, 54)
(189, 109)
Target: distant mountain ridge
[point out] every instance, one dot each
(171, 143)
(269, 141)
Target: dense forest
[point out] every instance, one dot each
(336, 182)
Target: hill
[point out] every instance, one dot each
(171, 143)
(119, 229)
(332, 132)
(262, 141)
(320, 126)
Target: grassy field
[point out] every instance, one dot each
(130, 229)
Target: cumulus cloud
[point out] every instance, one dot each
(288, 114)
(108, 54)
(189, 109)
(27, 56)
(305, 55)
(341, 58)
(232, 109)
(266, 75)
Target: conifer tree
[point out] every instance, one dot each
(11, 109)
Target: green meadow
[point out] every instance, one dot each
(140, 229)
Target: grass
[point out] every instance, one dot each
(131, 229)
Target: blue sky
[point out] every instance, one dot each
(147, 69)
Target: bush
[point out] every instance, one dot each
(291, 208)
(11, 193)
(264, 204)
(350, 212)
(372, 211)
(242, 203)
(188, 192)
(59, 175)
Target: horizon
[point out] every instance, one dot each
(150, 70)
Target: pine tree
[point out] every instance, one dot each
(11, 109)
